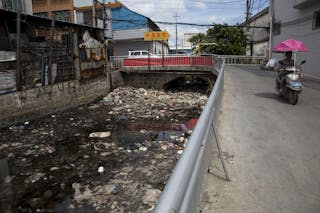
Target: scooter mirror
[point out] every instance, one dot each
(303, 62)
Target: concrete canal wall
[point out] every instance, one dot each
(20, 106)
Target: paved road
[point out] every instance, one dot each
(272, 148)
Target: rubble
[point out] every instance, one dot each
(151, 196)
(34, 178)
(152, 104)
(114, 155)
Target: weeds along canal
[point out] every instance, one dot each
(114, 155)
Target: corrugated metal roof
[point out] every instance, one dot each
(116, 5)
(109, 5)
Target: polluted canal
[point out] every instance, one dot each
(113, 155)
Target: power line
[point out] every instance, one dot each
(185, 23)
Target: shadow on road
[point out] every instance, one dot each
(271, 95)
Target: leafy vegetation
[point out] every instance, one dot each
(221, 40)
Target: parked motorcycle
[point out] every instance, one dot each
(292, 86)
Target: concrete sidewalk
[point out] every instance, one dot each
(272, 149)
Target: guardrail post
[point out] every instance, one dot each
(220, 152)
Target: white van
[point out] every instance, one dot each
(141, 54)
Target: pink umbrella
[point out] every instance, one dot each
(290, 45)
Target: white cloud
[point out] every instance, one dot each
(201, 5)
(218, 20)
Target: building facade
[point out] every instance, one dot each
(24, 6)
(258, 38)
(57, 9)
(299, 19)
(83, 15)
(126, 29)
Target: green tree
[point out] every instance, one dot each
(221, 40)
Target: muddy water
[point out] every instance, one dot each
(55, 166)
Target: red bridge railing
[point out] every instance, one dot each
(118, 62)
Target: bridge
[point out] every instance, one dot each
(159, 72)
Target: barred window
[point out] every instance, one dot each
(63, 15)
(277, 28)
(43, 14)
(316, 20)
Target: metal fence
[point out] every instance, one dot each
(118, 62)
(183, 190)
(242, 59)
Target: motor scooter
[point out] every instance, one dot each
(292, 86)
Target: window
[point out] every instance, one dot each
(63, 15)
(277, 28)
(316, 20)
(44, 14)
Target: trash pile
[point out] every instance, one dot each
(115, 155)
(135, 104)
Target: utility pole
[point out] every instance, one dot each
(247, 30)
(176, 16)
(248, 11)
(271, 27)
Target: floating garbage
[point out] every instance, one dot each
(99, 134)
(17, 128)
(34, 178)
(54, 168)
(101, 169)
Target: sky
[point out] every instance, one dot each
(189, 11)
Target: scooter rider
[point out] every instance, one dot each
(287, 62)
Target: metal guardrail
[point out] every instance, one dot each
(242, 59)
(183, 190)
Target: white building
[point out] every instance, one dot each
(258, 38)
(299, 19)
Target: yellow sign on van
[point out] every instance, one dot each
(156, 36)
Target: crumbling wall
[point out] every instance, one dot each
(117, 79)
(29, 104)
